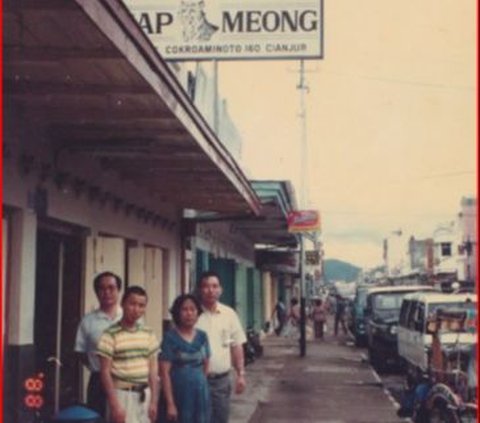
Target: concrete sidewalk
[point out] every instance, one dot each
(331, 384)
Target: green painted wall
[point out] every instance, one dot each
(241, 299)
(226, 270)
(201, 265)
(255, 317)
(258, 299)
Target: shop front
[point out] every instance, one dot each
(103, 151)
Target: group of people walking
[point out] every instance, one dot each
(288, 322)
(186, 378)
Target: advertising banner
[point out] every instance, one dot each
(303, 221)
(229, 30)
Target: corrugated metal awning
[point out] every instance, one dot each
(83, 72)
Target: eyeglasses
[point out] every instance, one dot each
(108, 288)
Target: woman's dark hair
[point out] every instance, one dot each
(178, 303)
(131, 290)
(99, 277)
(318, 302)
(294, 301)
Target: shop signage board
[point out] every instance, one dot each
(230, 30)
(312, 257)
(303, 221)
(278, 261)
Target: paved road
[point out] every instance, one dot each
(393, 380)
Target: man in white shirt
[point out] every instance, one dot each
(107, 287)
(226, 337)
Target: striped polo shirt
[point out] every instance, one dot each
(129, 350)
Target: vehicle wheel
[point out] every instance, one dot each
(440, 413)
(375, 360)
(411, 375)
(359, 342)
(402, 365)
(410, 379)
(420, 414)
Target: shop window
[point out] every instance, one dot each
(446, 249)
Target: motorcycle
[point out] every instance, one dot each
(252, 348)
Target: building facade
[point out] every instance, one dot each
(103, 152)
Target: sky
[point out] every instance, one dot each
(391, 120)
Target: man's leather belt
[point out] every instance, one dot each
(136, 388)
(214, 376)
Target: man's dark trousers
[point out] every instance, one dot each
(96, 398)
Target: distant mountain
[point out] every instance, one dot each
(338, 270)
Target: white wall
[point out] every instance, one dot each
(21, 290)
(445, 234)
(398, 262)
(154, 284)
(109, 229)
(267, 295)
(146, 269)
(102, 254)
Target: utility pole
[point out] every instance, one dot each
(216, 118)
(303, 204)
(303, 137)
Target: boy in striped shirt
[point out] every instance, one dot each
(128, 363)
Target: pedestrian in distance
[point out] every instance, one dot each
(280, 314)
(293, 319)
(107, 286)
(128, 363)
(319, 317)
(184, 357)
(340, 306)
(226, 337)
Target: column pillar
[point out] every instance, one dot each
(19, 351)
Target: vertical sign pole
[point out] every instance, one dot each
(303, 200)
(303, 320)
(215, 97)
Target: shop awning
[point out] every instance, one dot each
(83, 72)
(269, 229)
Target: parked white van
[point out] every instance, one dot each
(413, 340)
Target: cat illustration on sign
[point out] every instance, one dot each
(195, 26)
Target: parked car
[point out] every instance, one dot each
(381, 316)
(357, 314)
(414, 341)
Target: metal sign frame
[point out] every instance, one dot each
(225, 30)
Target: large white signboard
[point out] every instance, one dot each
(232, 29)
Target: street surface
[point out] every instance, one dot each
(334, 383)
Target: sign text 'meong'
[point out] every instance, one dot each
(244, 21)
(270, 21)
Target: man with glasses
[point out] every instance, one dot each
(107, 286)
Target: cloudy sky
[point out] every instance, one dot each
(390, 120)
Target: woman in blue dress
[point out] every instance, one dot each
(184, 365)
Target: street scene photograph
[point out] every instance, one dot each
(252, 211)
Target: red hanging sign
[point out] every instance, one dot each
(303, 221)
